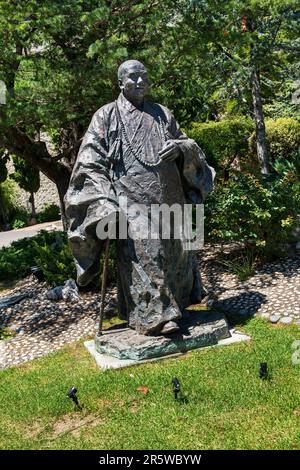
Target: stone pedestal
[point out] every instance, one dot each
(197, 330)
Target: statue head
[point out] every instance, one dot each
(133, 81)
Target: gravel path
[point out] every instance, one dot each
(6, 238)
(273, 292)
(43, 326)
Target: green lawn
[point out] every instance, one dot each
(227, 405)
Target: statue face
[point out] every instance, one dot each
(134, 83)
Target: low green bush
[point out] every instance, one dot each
(259, 211)
(283, 137)
(8, 195)
(222, 141)
(18, 223)
(49, 213)
(51, 252)
(55, 259)
(19, 218)
(17, 259)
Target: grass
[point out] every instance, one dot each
(6, 333)
(227, 406)
(242, 266)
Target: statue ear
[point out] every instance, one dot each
(121, 83)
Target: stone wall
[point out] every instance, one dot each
(47, 194)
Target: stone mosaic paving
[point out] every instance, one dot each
(44, 326)
(272, 292)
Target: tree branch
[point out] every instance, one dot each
(35, 153)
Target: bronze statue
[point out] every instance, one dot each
(135, 148)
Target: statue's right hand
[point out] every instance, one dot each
(170, 151)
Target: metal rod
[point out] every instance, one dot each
(103, 287)
(116, 330)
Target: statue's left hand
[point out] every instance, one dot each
(170, 151)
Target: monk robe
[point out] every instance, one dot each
(157, 277)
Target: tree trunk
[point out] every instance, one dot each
(18, 143)
(261, 142)
(3, 217)
(32, 202)
(62, 186)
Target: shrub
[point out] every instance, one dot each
(8, 194)
(222, 141)
(49, 213)
(6, 333)
(51, 252)
(55, 259)
(283, 137)
(17, 259)
(18, 223)
(57, 262)
(259, 211)
(18, 218)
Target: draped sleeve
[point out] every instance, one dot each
(196, 175)
(90, 196)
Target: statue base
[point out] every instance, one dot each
(197, 330)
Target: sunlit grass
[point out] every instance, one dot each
(227, 405)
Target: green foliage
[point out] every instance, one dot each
(18, 218)
(27, 176)
(6, 333)
(51, 252)
(234, 38)
(18, 223)
(55, 259)
(286, 99)
(222, 141)
(262, 212)
(3, 170)
(17, 259)
(8, 206)
(283, 137)
(242, 266)
(49, 213)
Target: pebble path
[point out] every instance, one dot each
(44, 326)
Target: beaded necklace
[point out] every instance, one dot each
(135, 152)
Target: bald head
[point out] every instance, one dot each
(133, 81)
(128, 65)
